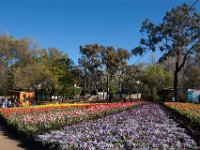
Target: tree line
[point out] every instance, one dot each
(23, 65)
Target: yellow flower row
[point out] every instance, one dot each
(64, 105)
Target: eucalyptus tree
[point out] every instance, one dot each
(9, 57)
(133, 74)
(3, 84)
(177, 36)
(110, 65)
(4, 44)
(90, 61)
(16, 55)
(122, 56)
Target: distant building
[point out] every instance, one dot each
(193, 95)
(168, 93)
(23, 97)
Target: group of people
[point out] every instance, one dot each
(7, 103)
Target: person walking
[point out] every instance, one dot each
(1, 102)
(9, 103)
(6, 103)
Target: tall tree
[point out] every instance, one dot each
(16, 55)
(133, 74)
(178, 36)
(4, 86)
(91, 62)
(109, 62)
(56, 72)
(122, 57)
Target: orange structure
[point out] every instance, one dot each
(23, 97)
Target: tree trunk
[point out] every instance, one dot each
(36, 94)
(50, 94)
(176, 81)
(177, 70)
(120, 86)
(107, 84)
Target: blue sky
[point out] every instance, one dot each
(67, 24)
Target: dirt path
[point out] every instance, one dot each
(8, 141)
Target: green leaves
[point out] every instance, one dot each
(24, 66)
(156, 79)
(57, 74)
(16, 57)
(177, 36)
(101, 64)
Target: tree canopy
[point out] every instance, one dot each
(178, 36)
(25, 66)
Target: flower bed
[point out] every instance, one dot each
(188, 116)
(190, 110)
(144, 127)
(43, 118)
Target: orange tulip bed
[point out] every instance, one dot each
(191, 111)
(38, 119)
(188, 115)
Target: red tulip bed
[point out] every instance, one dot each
(39, 119)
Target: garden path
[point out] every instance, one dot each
(9, 141)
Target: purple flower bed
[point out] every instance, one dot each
(144, 127)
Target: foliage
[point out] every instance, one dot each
(177, 36)
(90, 61)
(156, 79)
(78, 90)
(133, 73)
(16, 62)
(122, 57)
(24, 66)
(193, 77)
(103, 67)
(56, 76)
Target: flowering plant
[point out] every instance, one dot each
(190, 110)
(143, 127)
(32, 120)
